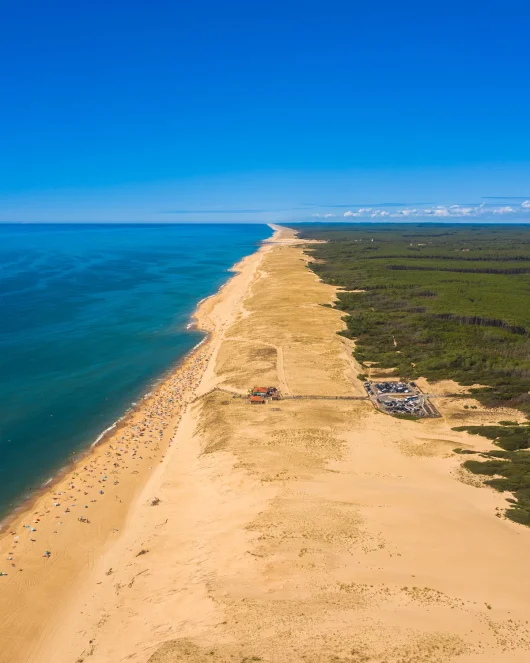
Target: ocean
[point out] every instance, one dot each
(90, 317)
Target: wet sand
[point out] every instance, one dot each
(303, 531)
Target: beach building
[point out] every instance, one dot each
(257, 400)
(263, 393)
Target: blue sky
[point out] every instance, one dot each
(166, 111)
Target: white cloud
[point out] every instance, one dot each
(457, 210)
(328, 216)
(362, 211)
(437, 211)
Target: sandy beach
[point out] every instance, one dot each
(297, 531)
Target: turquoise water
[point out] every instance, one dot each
(90, 316)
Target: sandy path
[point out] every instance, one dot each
(302, 531)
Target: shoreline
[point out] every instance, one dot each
(26, 503)
(138, 442)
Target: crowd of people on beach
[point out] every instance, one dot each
(139, 440)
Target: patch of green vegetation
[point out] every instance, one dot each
(511, 467)
(509, 438)
(511, 470)
(439, 301)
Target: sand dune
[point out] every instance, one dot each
(305, 531)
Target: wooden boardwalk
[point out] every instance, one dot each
(429, 407)
(238, 394)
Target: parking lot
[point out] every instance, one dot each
(400, 398)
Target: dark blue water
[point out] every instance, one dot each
(90, 316)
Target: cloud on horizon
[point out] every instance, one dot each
(483, 210)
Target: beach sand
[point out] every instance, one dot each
(300, 530)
